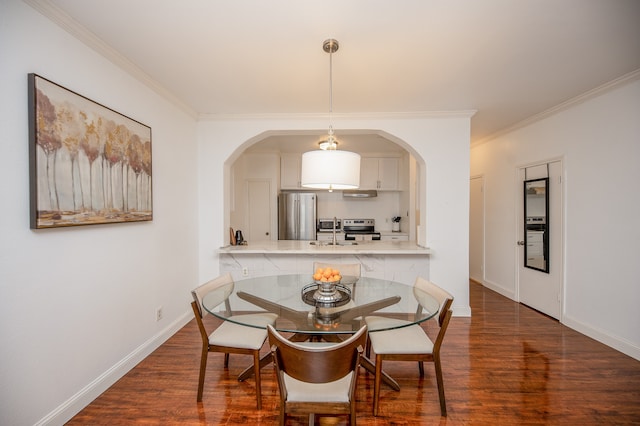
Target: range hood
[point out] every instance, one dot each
(356, 193)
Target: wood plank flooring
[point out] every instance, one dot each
(508, 364)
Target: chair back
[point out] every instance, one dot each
(346, 269)
(217, 291)
(317, 364)
(444, 298)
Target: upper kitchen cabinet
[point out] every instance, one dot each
(290, 166)
(380, 173)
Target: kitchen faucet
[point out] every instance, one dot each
(335, 222)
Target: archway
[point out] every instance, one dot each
(268, 146)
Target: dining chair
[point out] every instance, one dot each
(410, 343)
(229, 337)
(317, 378)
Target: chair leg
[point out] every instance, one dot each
(376, 384)
(443, 403)
(256, 369)
(421, 368)
(226, 360)
(203, 369)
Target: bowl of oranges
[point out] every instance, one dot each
(327, 275)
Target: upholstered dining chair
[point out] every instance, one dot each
(317, 378)
(410, 343)
(229, 337)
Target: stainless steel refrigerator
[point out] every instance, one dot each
(297, 214)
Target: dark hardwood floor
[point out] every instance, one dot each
(508, 364)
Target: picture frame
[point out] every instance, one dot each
(88, 164)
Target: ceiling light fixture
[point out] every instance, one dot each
(328, 168)
(328, 144)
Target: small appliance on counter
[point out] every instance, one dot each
(395, 223)
(326, 225)
(239, 238)
(236, 239)
(360, 230)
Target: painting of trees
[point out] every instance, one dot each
(89, 164)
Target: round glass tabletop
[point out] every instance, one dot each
(306, 307)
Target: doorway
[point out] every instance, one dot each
(541, 287)
(476, 229)
(258, 202)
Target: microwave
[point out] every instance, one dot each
(326, 225)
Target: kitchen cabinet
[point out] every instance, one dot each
(379, 173)
(328, 236)
(290, 166)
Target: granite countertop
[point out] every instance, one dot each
(311, 247)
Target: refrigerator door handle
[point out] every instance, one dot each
(296, 209)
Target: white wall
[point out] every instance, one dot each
(441, 141)
(77, 305)
(599, 141)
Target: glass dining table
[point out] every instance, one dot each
(319, 311)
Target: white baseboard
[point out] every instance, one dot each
(615, 342)
(462, 311)
(86, 395)
(511, 294)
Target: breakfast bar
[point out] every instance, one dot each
(400, 261)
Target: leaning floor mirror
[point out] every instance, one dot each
(536, 233)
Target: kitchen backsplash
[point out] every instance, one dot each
(381, 208)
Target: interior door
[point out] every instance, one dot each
(539, 289)
(259, 210)
(476, 229)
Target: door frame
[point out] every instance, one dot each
(519, 231)
(483, 225)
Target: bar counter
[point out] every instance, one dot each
(314, 247)
(400, 261)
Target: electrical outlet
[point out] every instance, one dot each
(245, 272)
(159, 313)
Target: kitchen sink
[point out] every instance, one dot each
(329, 243)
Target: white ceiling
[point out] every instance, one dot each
(508, 59)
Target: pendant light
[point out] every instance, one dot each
(327, 167)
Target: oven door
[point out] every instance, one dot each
(358, 236)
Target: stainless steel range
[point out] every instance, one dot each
(360, 230)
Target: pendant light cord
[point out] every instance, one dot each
(330, 46)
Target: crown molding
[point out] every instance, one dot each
(73, 27)
(597, 91)
(338, 116)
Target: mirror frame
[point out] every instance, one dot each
(530, 195)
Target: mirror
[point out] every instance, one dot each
(536, 225)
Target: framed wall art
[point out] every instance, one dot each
(88, 163)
